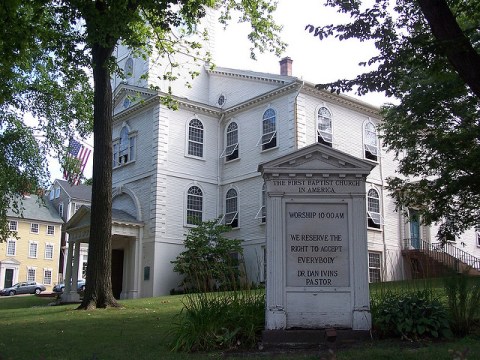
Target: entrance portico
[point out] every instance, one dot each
(126, 234)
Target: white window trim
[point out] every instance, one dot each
(322, 133)
(185, 212)
(14, 247)
(226, 153)
(477, 235)
(48, 227)
(260, 213)
(45, 252)
(60, 209)
(52, 194)
(187, 138)
(30, 243)
(376, 217)
(261, 143)
(57, 193)
(10, 223)
(31, 228)
(374, 267)
(34, 271)
(374, 150)
(132, 134)
(51, 276)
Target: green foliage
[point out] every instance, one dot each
(226, 320)
(210, 259)
(410, 315)
(433, 127)
(463, 300)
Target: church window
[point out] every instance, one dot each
(231, 208)
(373, 209)
(370, 141)
(324, 126)
(268, 139)
(194, 205)
(231, 150)
(195, 138)
(262, 212)
(124, 148)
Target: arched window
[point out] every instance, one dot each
(268, 139)
(195, 138)
(373, 209)
(194, 205)
(324, 126)
(124, 148)
(231, 208)
(262, 212)
(231, 150)
(128, 69)
(370, 141)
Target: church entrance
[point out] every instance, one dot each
(117, 272)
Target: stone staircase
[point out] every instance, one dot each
(427, 260)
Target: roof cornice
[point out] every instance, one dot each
(251, 75)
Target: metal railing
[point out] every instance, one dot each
(446, 253)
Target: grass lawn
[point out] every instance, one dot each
(30, 329)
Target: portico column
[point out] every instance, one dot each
(276, 317)
(76, 261)
(68, 271)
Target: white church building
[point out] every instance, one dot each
(200, 162)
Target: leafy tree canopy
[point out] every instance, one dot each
(428, 58)
(43, 77)
(60, 41)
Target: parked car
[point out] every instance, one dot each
(60, 287)
(27, 287)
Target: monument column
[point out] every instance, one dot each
(275, 316)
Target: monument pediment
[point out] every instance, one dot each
(317, 159)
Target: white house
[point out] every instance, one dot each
(200, 162)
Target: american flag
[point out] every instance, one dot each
(82, 153)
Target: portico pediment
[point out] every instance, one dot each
(316, 159)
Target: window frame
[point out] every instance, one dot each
(34, 270)
(50, 227)
(262, 212)
(231, 214)
(189, 210)
(13, 228)
(477, 236)
(8, 247)
(320, 137)
(268, 140)
(372, 268)
(124, 148)
(45, 277)
(232, 142)
(52, 194)
(374, 218)
(60, 209)
(31, 245)
(57, 192)
(195, 144)
(49, 245)
(32, 227)
(370, 151)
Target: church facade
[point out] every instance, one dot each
(200, 162)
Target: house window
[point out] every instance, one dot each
(50, 230)
(31, 274)
(57, 193)
(12, 225)
(268, 139)
(195, 138)
(124, 147)
(47, 276)
(48, 251)
(194, 205)
(32, 249)
(231, 150)
(11, 247)
(262, 212)
(60, 209)
(34, 228)
(84, 266)
(324, 126)
(52, 194)
(477, 235)
(373, 209)
(370, 141)
(231, 208)
(374, 267)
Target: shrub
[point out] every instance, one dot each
(463, 300)
(225, 320)
(410, 315)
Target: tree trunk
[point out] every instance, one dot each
(456, 46)
(98, 291)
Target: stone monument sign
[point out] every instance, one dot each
(317, 271)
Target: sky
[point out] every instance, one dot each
(314, 61)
